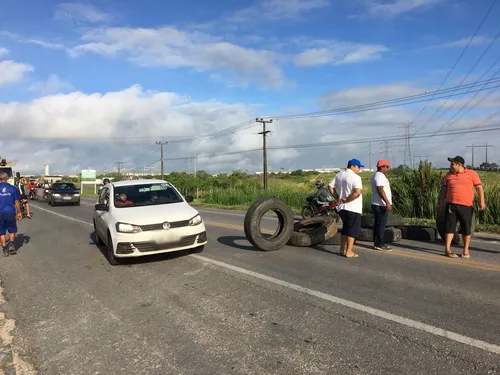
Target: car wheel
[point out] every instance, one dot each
(198, 249)
(77, 203)
(98, 240)
(111, 255)
(49, 203)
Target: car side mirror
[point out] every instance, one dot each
(101, 207)
(189, 198)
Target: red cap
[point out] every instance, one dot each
(383, 162)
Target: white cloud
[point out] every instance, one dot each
(85, 130)
(12, 71)
(340, 53)
(392, 8)
(80, 12)
(277, 10)
(52, 85)
(41, 43)
(476, 41)
(170, 47)
(3, 51)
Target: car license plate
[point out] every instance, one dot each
(67, 198)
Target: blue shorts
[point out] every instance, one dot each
(8, 223)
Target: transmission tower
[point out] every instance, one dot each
(407, 153)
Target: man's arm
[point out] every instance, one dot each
(381, 192)
(479, 189)
(355, 194)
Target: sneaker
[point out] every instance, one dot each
(386, 248)
(379, 248)
(6, 252)
(11, 248)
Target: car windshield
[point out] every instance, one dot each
(60, 186)
(145, 195)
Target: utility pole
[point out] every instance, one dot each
(194, 162)
(472, 155)
(119, 164)
(407, 145)
(370, 156)
(485, 146)
(161, 156)
(264, 133)
(386, 150)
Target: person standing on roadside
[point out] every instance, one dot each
(10, 210)
(348, 185)
(381, 204)
(458, 189)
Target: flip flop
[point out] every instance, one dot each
(467, 256)
(353, 256)
(451, 254)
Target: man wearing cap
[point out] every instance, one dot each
(381, 204)
(347, 185)
(458, 188)
(10, 210)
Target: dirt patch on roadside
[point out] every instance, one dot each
(11, 362)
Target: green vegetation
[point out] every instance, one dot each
(415, 192)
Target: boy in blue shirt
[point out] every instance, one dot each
(10, 210)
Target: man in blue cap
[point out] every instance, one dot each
(348, 185)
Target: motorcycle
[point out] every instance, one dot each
(316, 208)
(32, 194)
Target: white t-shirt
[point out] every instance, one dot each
(379, 179)
(344, 183)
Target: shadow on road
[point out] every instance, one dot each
(231, 242)
(139, 260)
(21, 239)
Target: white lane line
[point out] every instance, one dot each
(366, 309)
(61, 215)
(327, 297)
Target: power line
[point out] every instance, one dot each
(460, 56)
(462, 81)
(119, 164)
(344, 142)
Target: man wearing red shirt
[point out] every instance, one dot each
(458, 188)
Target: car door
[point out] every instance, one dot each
(100, 216)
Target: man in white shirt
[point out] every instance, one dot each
(381, 204)
(348, 185)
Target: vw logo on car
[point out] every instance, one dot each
(166, 225)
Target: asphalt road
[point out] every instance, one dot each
(235, 310)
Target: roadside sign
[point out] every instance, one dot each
(89, 174)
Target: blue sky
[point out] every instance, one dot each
(107, 69)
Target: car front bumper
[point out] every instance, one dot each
(159, 241)
(66, 198)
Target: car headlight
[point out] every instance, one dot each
(77, 195)
(195, 220)
(127, 228)
(56, 195)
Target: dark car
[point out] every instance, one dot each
(63, 192)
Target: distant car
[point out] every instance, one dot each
(145, 217)
(63, 193)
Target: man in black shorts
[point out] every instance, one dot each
(348, 185)
(458, 189)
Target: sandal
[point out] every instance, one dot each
(465, 256)
(451, 254)
(352, 256)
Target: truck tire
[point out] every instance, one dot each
(393, 220)
(391, 234)
(313, 231)
(253, 219)
(418, 233)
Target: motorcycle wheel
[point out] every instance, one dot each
(307, 212)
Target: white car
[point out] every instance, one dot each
(145, 217)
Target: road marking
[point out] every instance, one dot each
(61, 215)
(327, 297)
(356, 306)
